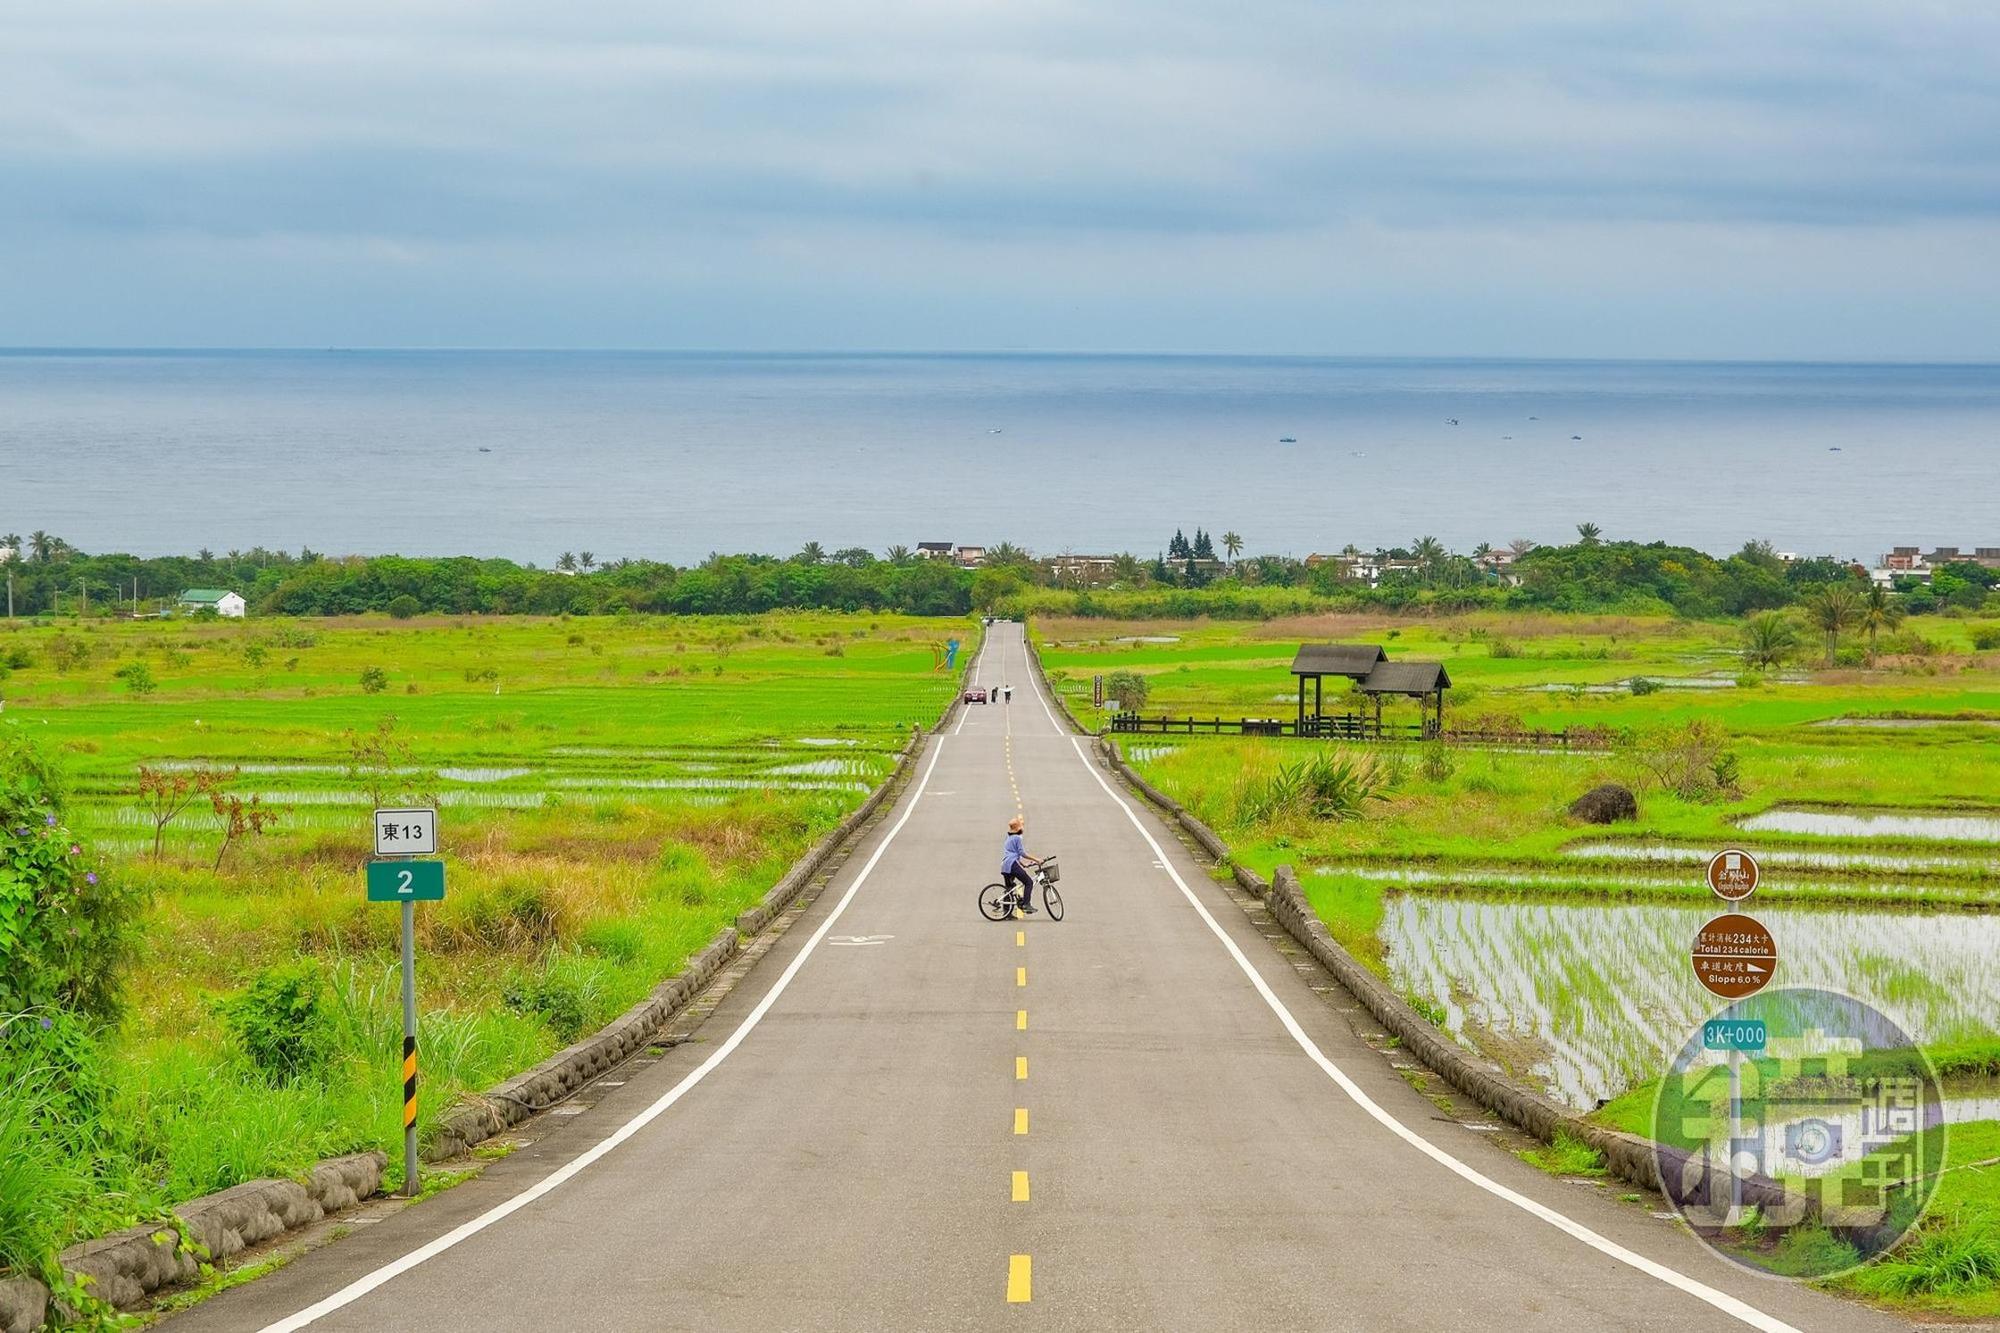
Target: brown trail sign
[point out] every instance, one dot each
(1732, 875)
(1734, 955)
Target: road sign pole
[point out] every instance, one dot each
(1735, 1125)
(410, 1049)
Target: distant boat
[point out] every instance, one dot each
(1576, 437)
(1451, 421)
(994, 431)
(484, 450)
(1833, 448)
(1288, 439)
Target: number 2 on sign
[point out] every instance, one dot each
(405, 882)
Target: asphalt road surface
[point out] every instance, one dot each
(909, 1117)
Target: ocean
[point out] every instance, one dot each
(676, 455)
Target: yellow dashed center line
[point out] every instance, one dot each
(1020, 1187)
(1020, 1283)
(1020, 976)
(1020, 1067)
(1020, 1120)
(1020, 1020)
(1020, 939)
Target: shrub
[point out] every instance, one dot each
(556, 999)
(1326, 786)
(374, 680)
(138, 677)
(255, 654)
(19, 659)
(67, 653)
(1128, 688)
(1641, 686)
(281, 1021)
(1688, 761)
(1437, 764)
(1503, 648)
(403, 607)
(67, 927)
(1985, 638)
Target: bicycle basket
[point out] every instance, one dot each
(1051, 872)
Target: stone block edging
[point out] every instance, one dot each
(129, 1265)
(126, 1265)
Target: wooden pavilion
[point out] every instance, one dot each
(1425, 682)
(1316, 661)
(1376, 678)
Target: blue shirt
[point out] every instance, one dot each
(1010, 853)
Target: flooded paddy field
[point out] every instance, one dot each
(1587, 999)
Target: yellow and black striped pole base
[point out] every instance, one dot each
(409, 1082)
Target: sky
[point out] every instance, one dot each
(1811, 179)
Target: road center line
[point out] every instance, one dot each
(1020, 1187)
(361, 1286)
(1020, 1020)
(1020, 1067)
(1020, 976)
(1721, 1300)
(1020, 1284)
(1020, 1120)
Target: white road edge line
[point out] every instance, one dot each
(978, 672)
(1721, 1300)
(361, 1286)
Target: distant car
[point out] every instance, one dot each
(976, 695)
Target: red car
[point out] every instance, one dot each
(976, 695)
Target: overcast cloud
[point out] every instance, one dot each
(1535, 178)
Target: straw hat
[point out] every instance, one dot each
(1015, 824)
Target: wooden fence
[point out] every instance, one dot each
(1358, 727)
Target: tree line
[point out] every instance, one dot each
(48, 575)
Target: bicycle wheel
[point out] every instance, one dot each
(1052, 902)
(995, 903)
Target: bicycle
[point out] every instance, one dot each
(1000, 900)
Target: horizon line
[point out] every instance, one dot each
(277, 349)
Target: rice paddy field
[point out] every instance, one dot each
(611, 792)
(1559, 949)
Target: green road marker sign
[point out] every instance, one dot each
(405, 881)
(1734, 1034)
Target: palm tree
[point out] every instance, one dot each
(1006, 553)
(41, 545)
(206, 556)
(1232, 545)
(1832, 609)
(1127, 569)
(1520, 546)
(12, 541)
(1429, 553)
(1588, 534)
(1880, 610)
(566, 562)
(812, 553)
(587, 559)
(1768, 639)
(899, 555)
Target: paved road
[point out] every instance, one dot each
(1102, 1123)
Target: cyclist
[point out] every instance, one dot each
(1012, 858)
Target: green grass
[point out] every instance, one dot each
(1567, 1155)
(614, 791)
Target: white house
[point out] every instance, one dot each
(218, 600)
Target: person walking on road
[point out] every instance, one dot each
(1012, 857)
(1007, 693)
